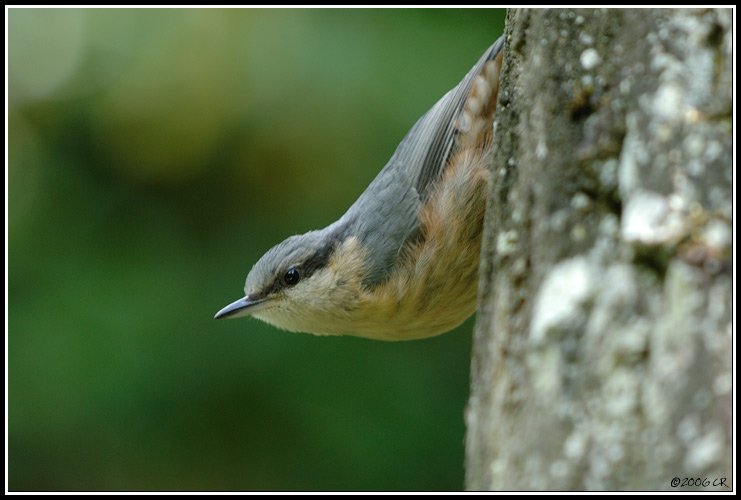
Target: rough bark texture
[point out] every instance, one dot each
(603, 347)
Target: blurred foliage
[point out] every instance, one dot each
(153, 156)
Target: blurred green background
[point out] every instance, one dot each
(153, 156)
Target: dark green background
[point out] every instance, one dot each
(154, 155)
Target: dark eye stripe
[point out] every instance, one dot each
(310, 265)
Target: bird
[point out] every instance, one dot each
(402, 262)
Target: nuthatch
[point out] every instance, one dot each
(402, 263)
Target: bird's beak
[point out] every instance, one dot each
(242, 307)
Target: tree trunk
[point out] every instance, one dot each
(603, 347)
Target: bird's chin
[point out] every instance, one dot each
(275, 316)
(284, 319)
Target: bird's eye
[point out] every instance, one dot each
(291, 277)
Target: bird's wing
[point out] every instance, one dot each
(385, 216)
(427, 146)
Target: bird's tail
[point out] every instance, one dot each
(474, 123)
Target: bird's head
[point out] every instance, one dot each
(303, 283)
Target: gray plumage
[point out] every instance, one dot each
(385, 216)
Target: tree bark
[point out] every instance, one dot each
(602, 356)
